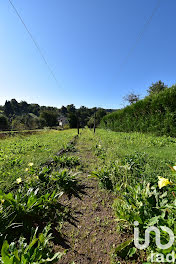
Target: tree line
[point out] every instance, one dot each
(16, 115)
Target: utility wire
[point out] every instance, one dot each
(140, 35)
(35, 42)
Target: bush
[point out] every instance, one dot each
(4, 125)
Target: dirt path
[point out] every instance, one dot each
(92, 235)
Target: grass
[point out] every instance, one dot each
(33, 181)
(16, 152)
(129, 166)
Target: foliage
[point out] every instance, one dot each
(65, 181)
(100, 113)
(17, 152)
(66, 161)
(25, 208)
(138, 167)
(104, 177)
(156, 114)
(131, 98)
(37, 251)
(156, 88)
(50, 118)
(4, 125)
(22, 116)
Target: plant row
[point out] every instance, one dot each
(32, 214)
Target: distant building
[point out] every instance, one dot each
(62, 120)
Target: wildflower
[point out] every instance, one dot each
(163, 182)
(174, 167)
(30, 164)
(19, 180)
(26, 169)
(2, 201)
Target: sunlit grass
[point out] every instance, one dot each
(17, 152)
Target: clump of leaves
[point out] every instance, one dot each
(150, 205)
(100, 151)
(65, 181)
(104, 176)
(37, 251)
(67, 161)
(26, 208)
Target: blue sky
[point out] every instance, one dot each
(85, 42)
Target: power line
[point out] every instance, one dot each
(141, 33)
(35, 42)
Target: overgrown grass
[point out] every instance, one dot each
(136, 167)
(17, 152)
(31, 203)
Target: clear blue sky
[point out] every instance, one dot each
(85, 42)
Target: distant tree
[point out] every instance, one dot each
(15, 106)
(50, 118)
(24, 107)
(63, 110)
(71, 108)
(73, 120)
(4, 125)
(96, 117)
(8, 109)
(19, 124)
(157, 88)
(35, 109)
(131, 98)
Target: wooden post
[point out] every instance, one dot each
(94, 122)
(78, 124)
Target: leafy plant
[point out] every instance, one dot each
(65, 181)
(66, 161)
(25, 209)
(37, 251)
(104, 177)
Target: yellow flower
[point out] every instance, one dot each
(30, 164)
(163, 182)
(2, 201)
(19, 180)
(26, 169)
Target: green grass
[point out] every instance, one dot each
(118, 144)
(16, 152)
(129, 166)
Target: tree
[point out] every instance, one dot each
(71, 108)
(131, 98)
(8, 109)
(4, 125)
(156, 88)
(96, 117)
(73, 120)
(49, 117)
(63, 110)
